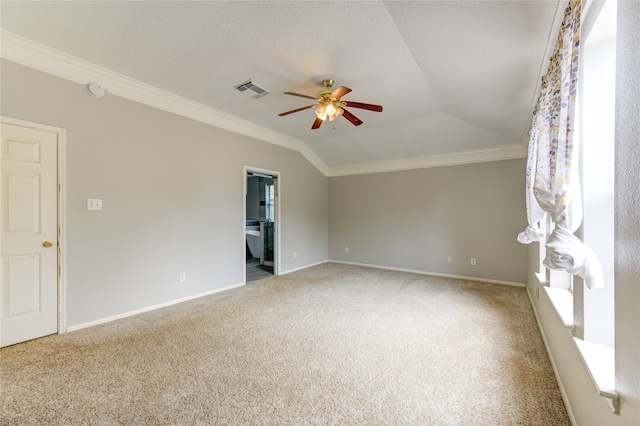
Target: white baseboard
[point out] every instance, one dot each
(304, 267)
(148, 308)
(184, 299)
(435, 274)
(565, 398)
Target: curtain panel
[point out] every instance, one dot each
(552, 175)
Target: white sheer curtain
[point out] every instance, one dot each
(552, 184)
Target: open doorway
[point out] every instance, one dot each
(261, 224)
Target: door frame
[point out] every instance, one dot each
(276, 251)
(61, 172)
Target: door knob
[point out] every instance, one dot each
(47, 244)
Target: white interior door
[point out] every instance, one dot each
(29, 244)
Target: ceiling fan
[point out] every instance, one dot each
(331, 106)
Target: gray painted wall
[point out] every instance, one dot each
(415, 219)
(627, 217)
(173, 192)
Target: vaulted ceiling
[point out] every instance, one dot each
(456, 78)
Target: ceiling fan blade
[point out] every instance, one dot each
(352, 118)
(316, 124)
(295, 110)
(302, 96)
(340, 92)
(370, 107)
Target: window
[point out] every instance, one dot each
(596, 120)
(270, 197)
(590, 313)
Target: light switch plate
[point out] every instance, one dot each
(94, 204)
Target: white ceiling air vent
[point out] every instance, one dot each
(252, 89)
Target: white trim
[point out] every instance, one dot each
(508, 152)
(435, 274)
(26, 52)
(563, 393)
(600, 362)
(61, 171)
(562, 301)
(34, 55)
(149, 308)
(288, 271)
(62, 236)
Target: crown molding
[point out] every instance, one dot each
(508, 152)
(34, 55)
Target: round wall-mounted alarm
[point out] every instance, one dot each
(96, 90)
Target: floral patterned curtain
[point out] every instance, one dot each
(552, 181)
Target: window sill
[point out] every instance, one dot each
(598, 358)
(600, 361)
(562, 300)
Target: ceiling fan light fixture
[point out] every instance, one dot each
(328, 111)
(330, 105)
(337, 114)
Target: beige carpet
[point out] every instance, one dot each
(332, 344)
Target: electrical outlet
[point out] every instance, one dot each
(94, 204)
(183, 277)
(295, 254)
(449, 259)
(473, 261)
(346, 249)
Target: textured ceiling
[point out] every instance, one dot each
(453, 76)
